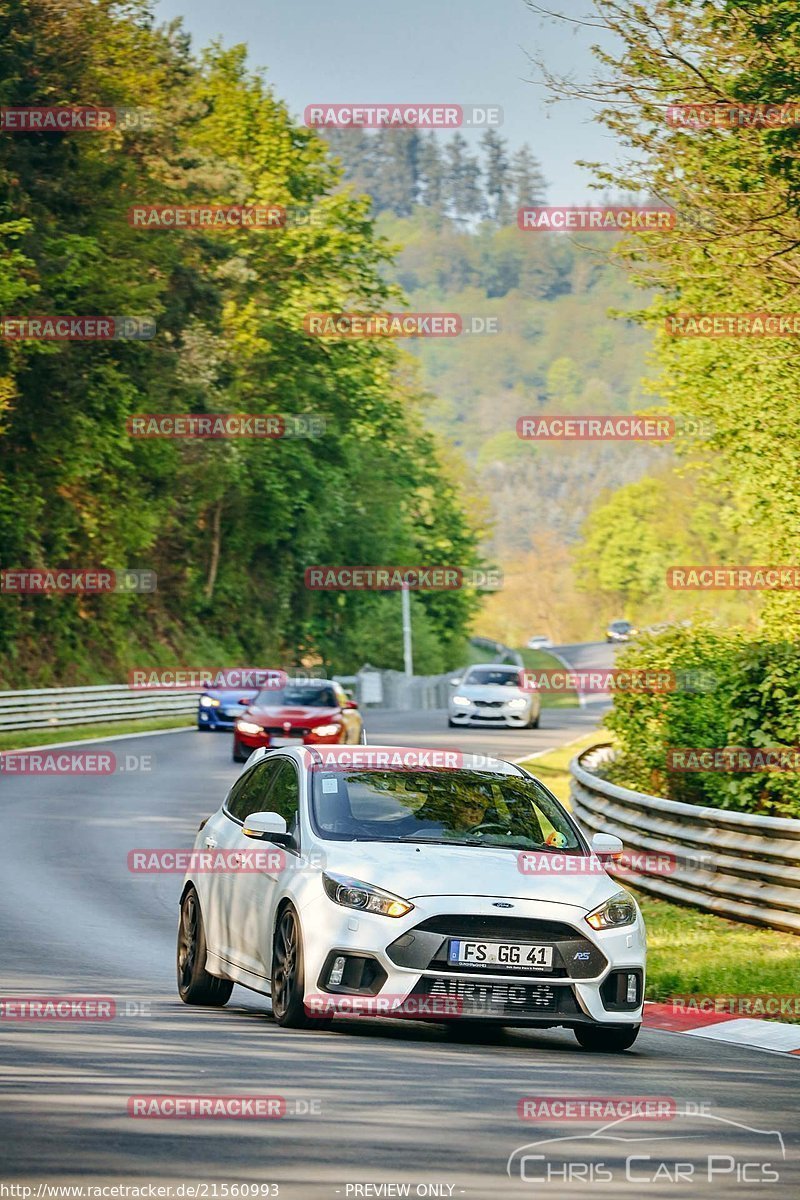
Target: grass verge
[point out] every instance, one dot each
(691, 952)
(79, 733)
(553, 768)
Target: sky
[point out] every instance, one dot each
(423, 51)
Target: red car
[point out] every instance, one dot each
(308, 711)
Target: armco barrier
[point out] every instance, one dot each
(738, 865)
(42, 708)
(52, 707)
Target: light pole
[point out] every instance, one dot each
(408, 660)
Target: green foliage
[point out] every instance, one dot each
(228, 526)
(731, 691)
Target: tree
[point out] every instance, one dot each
(528, 184)
(464, 180)
(499, 184)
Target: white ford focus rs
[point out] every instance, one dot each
(393, 881)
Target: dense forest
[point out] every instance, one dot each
(228, 526)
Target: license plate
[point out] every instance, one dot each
(286, 741)
(498, 954)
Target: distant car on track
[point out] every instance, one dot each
(396, 886)
(304, 711)
(218, 708)
(539, 641)
(620, 631)
(492, 694)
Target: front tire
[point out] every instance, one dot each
(239, 755)
(606, 1039)
(287, 986)
(195, 985)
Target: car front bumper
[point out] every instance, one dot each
(400, 980)
(474, 715)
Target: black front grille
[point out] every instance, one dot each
(499, 929)
(488, 703)
(474, 998)
(279, 731)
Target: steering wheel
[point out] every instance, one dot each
(488, 825)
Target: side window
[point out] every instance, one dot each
(284, 795)
(250, 791)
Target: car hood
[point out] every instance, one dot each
(488, 691)
(415, 870)
(295, 714)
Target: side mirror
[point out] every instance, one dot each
(267, 827)
(350, 704)
(246, 700)
(455, 682)
(607, 845)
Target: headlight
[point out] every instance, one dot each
(620, 909)
(209, 702)
(461, 700)
(326, 730)
(518, 702)
(352, 893)
(248, 727)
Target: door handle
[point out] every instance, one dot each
(210, 843)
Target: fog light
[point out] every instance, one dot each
(630, 994)
(337, 971)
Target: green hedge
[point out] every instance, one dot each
(731, 690)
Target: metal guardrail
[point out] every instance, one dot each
(738, 865)
(42, 708)
(39, 708)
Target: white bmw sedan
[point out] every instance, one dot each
(390, 881)
(493, 694)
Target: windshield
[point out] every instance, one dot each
(465, 808)
(621, 626)
(307, 695)
(493, 675)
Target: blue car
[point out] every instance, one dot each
(219, 707)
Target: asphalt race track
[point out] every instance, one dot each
(369, 1103)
